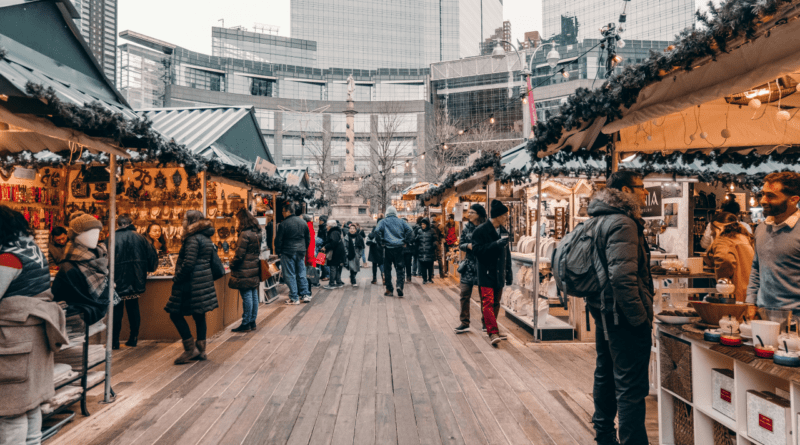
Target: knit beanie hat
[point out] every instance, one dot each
(391, 211)
(81, 222)
(498, 208)
(479, 209)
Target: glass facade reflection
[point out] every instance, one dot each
(98, 26)
(260, 47)
(646, 19)
(370, 34)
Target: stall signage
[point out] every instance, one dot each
(25, 173)
(652, 206)
(561, 222)
(765, 422)
(264, 166)
(725, 395)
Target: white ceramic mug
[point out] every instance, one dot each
(767, 330)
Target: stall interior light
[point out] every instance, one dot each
(766, 93)
(629, 158)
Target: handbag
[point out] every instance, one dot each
(264, 273)
(462, 267)
(321, 259)
(217, 269)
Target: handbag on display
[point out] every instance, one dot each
(264, 273)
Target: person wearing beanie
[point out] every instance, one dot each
(468, 269)
(428, 247)
(396, 235)
(490, 246)
(82, 279)
(335, 254)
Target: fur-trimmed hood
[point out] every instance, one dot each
(203, 226)
(610, 201)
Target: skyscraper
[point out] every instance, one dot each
(374, 34)
(645, 19)
(98, 25)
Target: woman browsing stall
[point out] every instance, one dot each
(732, 253)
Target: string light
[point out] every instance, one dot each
(423, 156)
(491, 119)
(564, 74)
(444, 146)
(394, 169)
(460, 132)
(732, 187)
(407, 164)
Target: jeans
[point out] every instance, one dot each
(490, 305)
(375, 267)
(426, 270)
(621, 379)
(415, 265)
(134, 318)
(363, 256)
(407, 264)
(325, 272)
(249, 305)
(183, 327)
(25, 428)
(353, 277)
(466, 295)
(393, 256)
(294, 270)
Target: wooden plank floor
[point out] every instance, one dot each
(352, 367)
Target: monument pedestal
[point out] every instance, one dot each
(350, 207)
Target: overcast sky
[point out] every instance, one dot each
(188, 23)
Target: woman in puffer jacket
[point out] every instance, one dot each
(193, 292)
(246, 268)
(427, 249)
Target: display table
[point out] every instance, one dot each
(697, 388)
(156, 324)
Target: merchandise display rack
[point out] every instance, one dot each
(84, 384)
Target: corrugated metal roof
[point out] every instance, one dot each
(216, 152)
(299, 175)
(195, 127)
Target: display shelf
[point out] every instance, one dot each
(676, 396)
(527, 259)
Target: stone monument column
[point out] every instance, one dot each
(350, 159)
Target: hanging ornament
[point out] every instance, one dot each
(177, 179)
(725, 133)
(703, 135)
(783, 116)
(161, 181)
(691, 137)
(754, 103)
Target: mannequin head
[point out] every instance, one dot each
(88, 238)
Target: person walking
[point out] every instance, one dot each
(291, 242)
(409, 251)
(490, 245)
(27, 349)
(731, 254)
(775, 276)
(353, 249)
(427, 248)
(193, 291)
(375, 257)
(246, 268)
(134, 257)
(469, 266)
(335, 254)
(58, 243)
(624, 320)
(322, 233)
(311, 255)
(364, 240)
(396, 234)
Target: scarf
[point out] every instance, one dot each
(94, 266)
(351, 246)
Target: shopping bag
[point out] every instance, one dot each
(312, 274)
(321, 259)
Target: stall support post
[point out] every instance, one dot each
(112, 239)
(536, 279)
(205, 194)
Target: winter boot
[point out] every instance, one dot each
(189, 352)
(201, 348)
(132, 341)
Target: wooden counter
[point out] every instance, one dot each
(156, 324)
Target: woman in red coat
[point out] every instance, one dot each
(311, 259)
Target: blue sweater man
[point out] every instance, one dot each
(396, 233)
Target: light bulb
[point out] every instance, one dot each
(754, 103)
(732, 187)
(725, 133)
(525, 101)
(692, 137)
(460, 131)
(444, 146)
(423, 156)
(703, 135)
(752, 201)
(491, 120)
(783, 116)
(565, 74)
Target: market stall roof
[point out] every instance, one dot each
(297, 176)
(411, 192)
(232, 130)
(54, 57)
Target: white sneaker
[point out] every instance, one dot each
(292, 302)
(307, 299)
(355, 284)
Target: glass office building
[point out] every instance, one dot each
(374, 34)
(645, 19)
(98, 25)
(238, 43)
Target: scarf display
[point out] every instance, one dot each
(94, 266)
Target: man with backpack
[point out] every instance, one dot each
(494, 265)
(607, 261)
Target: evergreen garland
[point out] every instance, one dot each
(486, 160)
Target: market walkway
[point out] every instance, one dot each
(352, 367)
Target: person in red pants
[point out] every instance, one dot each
(490, 246)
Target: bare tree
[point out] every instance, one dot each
(443, 151)
(389, 151)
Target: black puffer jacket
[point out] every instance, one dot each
(336, 245)
(246, 266)
(470, 275)
(193, 289)
(626, 254)
(375, 244)
(134, 256)
(494, 261)
(427, 244)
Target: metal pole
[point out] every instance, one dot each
(536, 280)
(112, 239)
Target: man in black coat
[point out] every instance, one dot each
(490, 246)
(623, 357)
(134, 257)
(291, 242)
(322, 233)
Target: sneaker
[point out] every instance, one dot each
(374, 281)
(307, 299)
(495, 339)
(503, 336)
(462, 328)
(388, 293)
(292, 302)
(483, 329)
(329, 286)
(355, 284)
(399, 292)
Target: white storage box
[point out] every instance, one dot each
(723, 397)
(768, 418)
